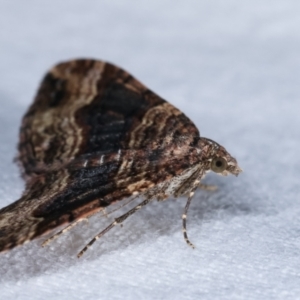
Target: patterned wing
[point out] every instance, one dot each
(93, 135)
(88, 106)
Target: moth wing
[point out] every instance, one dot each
(88, 106)
(86, 109)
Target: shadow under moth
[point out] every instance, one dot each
(95, 135)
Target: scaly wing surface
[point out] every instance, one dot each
(93, 135)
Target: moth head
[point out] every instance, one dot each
(218, 159)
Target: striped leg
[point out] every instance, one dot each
(118, 220)
(184, 215)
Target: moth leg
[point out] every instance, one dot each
(207, 187)
(184, 216)
(118, 220)
(64, 230)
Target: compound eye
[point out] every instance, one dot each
(218, 164)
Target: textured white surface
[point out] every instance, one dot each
(233, 67)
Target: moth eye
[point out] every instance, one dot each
(218, 164)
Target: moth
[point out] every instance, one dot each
(95, 135)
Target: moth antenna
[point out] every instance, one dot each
(184, 216)
(117, 221)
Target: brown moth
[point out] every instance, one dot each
(95, 135)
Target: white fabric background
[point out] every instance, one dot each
(233, 67)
